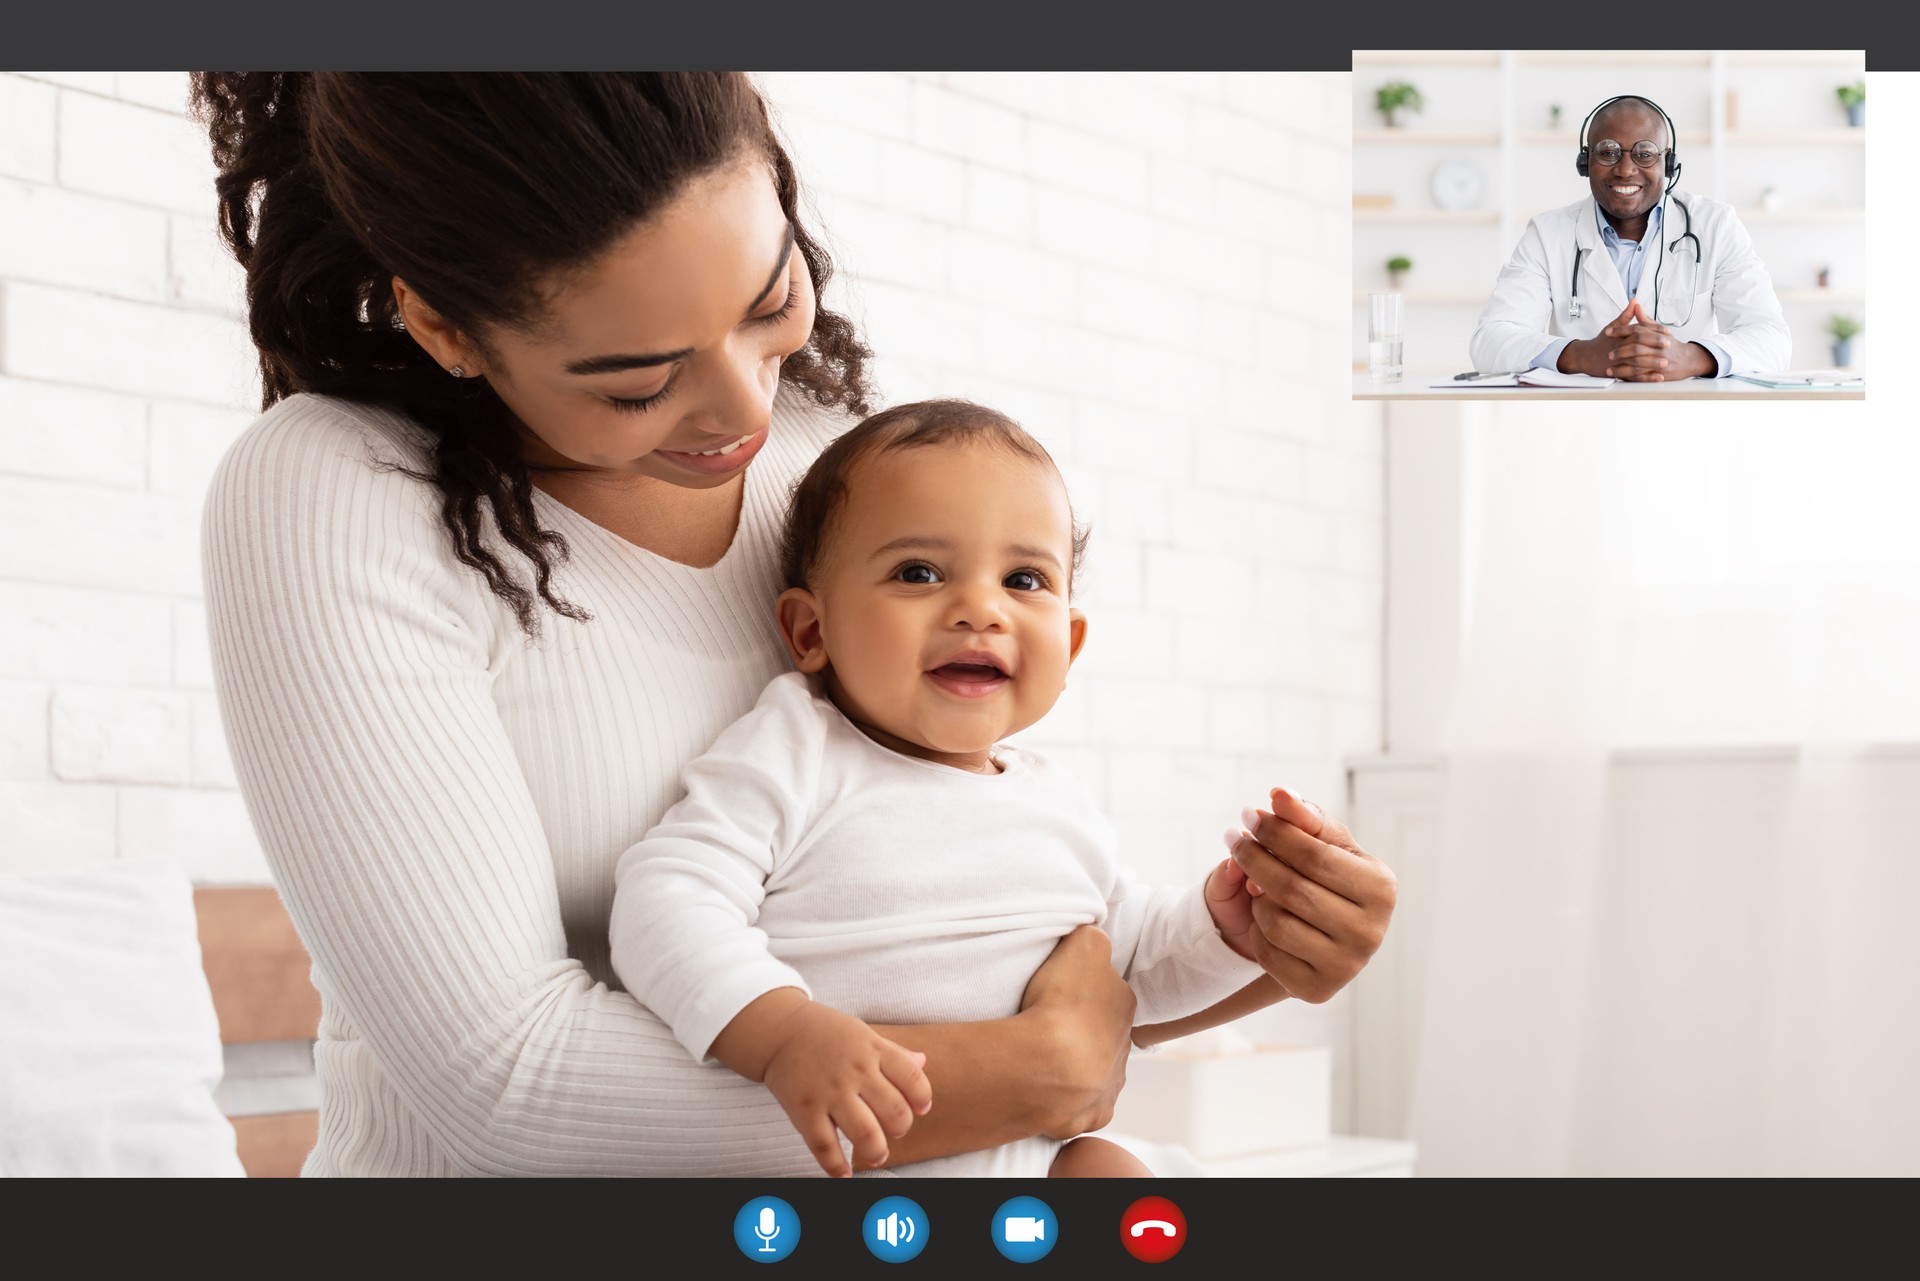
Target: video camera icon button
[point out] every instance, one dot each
(896, 1229)
(1025, 1229)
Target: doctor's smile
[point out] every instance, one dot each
(1635, 281)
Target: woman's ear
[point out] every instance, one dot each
(798, 613)
(439, 339)
(1076, 634)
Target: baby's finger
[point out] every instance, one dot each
(1227, 877)
(907, 1070)
(863, 1130)
(824, 1142)
(888, 1105)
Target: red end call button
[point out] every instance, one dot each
(1153, 1229)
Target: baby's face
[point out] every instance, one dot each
(941, 600)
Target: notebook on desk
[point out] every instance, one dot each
(1536, 377)
(1804, 378)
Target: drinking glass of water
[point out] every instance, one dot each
(1385, 316)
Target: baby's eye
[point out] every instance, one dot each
(1025, 580)
(917, 573)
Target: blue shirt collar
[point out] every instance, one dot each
(1611, 238)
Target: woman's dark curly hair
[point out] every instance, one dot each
(478, 190)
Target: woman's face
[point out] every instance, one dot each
(669, 347)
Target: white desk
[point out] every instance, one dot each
(1414, 386)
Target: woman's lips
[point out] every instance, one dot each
(968, 680)
(717, 464)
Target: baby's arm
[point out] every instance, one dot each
(687, 942)
(830, 1072)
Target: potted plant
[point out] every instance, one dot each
(1553, 116)
(1397, 269)
(1854, 98)
(1843, 329)
(1397, 96)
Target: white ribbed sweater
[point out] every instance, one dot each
(442, 803)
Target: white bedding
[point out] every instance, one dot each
(109, 1047)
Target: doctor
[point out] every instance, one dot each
(1633, 281)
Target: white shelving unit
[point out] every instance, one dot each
(1488, 105)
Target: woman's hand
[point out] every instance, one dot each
(1322, 904)
(1055, 1068)
(1087, 1010)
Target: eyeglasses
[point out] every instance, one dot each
(1645, 154)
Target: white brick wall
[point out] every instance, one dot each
(1145, 269)
(124, 373)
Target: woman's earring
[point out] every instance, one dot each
(458, 372)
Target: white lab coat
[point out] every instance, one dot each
(1732, 297)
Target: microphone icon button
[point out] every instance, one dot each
(766, 1229)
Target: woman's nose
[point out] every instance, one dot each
(743, 391)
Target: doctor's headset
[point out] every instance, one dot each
(1583, 165)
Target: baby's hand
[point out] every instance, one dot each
(1229, 896)
(833, 1072)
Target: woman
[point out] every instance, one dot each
(541, 354)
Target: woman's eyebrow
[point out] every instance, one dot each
(779, 270)
(614, 364)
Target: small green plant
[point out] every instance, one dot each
(1396, 96)
(1844, 327)
(1852, 95)
(1398, 265)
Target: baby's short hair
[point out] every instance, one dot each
(818, 495)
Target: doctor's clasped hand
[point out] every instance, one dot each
(1636, 348)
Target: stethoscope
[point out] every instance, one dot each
(1573, 300)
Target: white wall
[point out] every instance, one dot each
(1148, 271)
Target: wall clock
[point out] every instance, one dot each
(1458, 184)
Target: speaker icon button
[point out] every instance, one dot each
(896, 1229)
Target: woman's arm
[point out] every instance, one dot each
(1257, 995)
(353, 661)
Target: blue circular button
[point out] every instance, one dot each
(1025, 1229)
(896, 1229)
(766, 1229)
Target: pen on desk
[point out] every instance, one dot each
(1475, 373)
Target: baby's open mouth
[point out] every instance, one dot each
(974, 678)
(971, 671)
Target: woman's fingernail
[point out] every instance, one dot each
(1249, 818)
(1232, 837)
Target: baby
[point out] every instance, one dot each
(863, 848)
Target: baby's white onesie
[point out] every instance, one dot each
(895, 889)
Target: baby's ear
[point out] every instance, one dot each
(798, 613)
(1076, 634)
